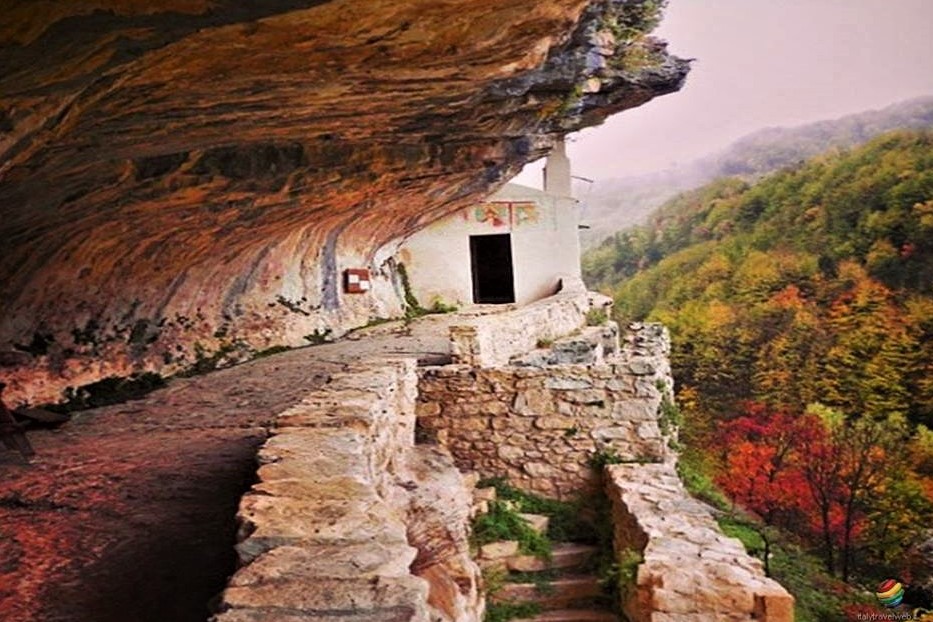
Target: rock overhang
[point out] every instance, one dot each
(184, 181)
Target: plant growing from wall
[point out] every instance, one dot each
(566, 522)
(111, 390)
(503, 522)
(596, 317)
(603, 457)
(319, 337)
(503, 612)
(670, 420)
(413, 308)
(626, 571)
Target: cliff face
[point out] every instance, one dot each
(186, 181)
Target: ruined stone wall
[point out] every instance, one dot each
(690, 571)
(539, 426)
(349, 520)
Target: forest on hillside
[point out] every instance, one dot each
(617, 203)
(801, 311)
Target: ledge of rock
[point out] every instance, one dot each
(183, 181)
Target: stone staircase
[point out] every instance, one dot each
(564, 587)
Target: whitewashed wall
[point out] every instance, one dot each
(545, 246)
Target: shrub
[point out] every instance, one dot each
(503, 523)
(596, 317)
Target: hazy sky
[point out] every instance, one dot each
(763, 63)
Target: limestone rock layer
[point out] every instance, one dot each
(184, 181)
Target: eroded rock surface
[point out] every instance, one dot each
(185, 180)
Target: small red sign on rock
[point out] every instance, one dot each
(356, 280)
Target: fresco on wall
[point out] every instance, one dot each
(523, 213)
(502, 213)
(495, 214)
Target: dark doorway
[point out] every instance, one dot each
(491, 259)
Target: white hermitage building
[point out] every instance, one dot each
(516, 247)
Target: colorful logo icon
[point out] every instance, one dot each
(890, 593)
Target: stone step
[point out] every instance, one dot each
(499, 550)
(479, 508)
(572, 615)
(556, 594)
(484, 494)
(563, 556)
(538, 522)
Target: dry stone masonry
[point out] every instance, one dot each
(690, 571)
(492, 340)
(350, 521)
(539, 426)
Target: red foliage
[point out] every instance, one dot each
(797, 473)
(759, 471)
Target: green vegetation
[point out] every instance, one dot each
(596, 317)
(111, 390)
(618, 203)
(604, 457)
(584, 521)
(634, 20)
(270, 351)
(413, 308)
(502, 522)
(819, 595)
(626, 570)
(567, 523)
(319, 337)
(503, 612)
(801, 310)
(203, 361)
(694, 473)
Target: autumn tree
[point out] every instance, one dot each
(847, 465)
(759, 470)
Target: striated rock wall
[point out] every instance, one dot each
(351, 521)
(185, 180)
(539, 425)
(690, 571)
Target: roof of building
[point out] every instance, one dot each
(510, 192)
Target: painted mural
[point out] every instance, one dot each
(504, 213)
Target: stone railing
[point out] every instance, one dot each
(492, 340)
(349, 520)
(540, 425)
(689, 571)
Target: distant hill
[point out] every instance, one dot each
(615, 204)
(842, 243)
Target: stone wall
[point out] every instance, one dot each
(351, 521)
(492, 340)
(539, 426)
(690, 571)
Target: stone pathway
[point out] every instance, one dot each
(126, 513)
